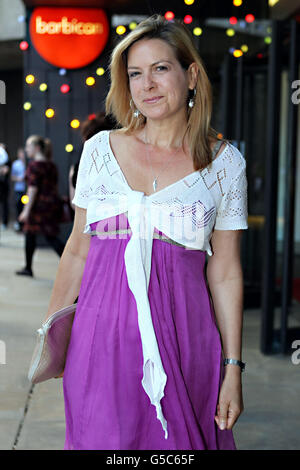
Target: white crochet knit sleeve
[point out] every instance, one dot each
(232, 212)
(83, 190)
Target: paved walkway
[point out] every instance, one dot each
(33, 417)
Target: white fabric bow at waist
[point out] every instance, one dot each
(137, 257)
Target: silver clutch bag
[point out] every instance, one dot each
(49, 356)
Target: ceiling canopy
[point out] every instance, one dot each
(113, 5)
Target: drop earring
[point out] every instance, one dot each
(192, 100)
(136, 112)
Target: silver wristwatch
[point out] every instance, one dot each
(236, 362)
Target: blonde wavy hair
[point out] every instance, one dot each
(199, 131)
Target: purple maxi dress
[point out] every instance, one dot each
(106, 406)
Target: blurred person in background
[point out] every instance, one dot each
(18, 170)
(4, 184)
(89, 128)
(41, 215)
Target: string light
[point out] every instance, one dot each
(132, 25)
(230, 32)
(92, 116)
(24, 199)
(233, 20)
(244, 48)
(197, 31)
(75, 123)
(90, 81)
(69, 148)
(27, 106)
(250, 18)
(237, 53)
(29, 79)
(100, 71)
(237, 3)
(62, 71)
(65, 88)
(188, 19)
(189, 2)
(120, 30)
(43, 86)
(23, 45)
(268, 39)
(169, 15)
(49, 113)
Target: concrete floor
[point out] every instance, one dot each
(271, 385)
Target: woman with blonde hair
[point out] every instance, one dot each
(145, 366)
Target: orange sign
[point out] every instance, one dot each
(69, 38)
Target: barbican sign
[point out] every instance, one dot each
(69, 38)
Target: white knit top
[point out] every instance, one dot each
(186, 211)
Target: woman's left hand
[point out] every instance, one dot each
(230, 404)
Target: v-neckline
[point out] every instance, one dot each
(170, 186)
